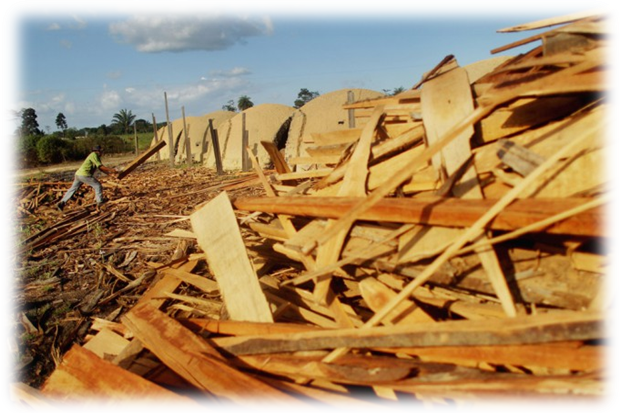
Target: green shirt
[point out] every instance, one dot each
(89, 166)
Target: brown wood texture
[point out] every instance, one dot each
(141, 159)
(449, 212)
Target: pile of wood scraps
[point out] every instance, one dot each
(451, 250)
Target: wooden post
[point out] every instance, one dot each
(351, 99)
(245, 161)
(170, 138)
(216, 148)
(135, 138)
(188, 148)
(155, 137)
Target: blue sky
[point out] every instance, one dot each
(89, 63)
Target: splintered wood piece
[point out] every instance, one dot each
(141, 159)
(539, 24)
(196, 361)
(542, 328)
(198, 281)
(325, 397)
(354, 184)
(376, 294)
(217, 231)
(276, 157)
(571, 355)
(106, 344)
(446, 212)
(28, 399)
(83, 376)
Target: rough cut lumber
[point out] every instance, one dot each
(217, 231)
(376, 294)
(195, 360)
(276, 157)
(539, 24)
(82, 376)
(449, 212)
(28, 399)
(542, 328)
(141, 159)
(571, 355)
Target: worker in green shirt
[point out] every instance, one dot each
(85, 175)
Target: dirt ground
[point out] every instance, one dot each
(62, 283)
(112, 161)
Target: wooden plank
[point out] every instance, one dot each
(276, 157)
(217, 231)
(199, 281)
(106, 344)
(196, 361)
(543, 328)
(572, 356)
(376, 295)
(24, 395)
(553, 21)
(316, 173)
(243, 328)
(328, 397)
(448, 212)
(83, 376)
(336, 137)
(354, 184)
(141, 159)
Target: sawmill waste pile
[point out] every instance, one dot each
(453, 249)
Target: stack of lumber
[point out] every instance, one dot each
(452, 249)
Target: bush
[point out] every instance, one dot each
(51, 149)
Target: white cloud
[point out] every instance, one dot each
(236, 71)
(53, 27)
(109, 100)
(176, 34)
(67, 44)
(78, 23)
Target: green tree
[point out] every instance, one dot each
(30, 126)
(244, 103)
(124, 119)
(61, 122)
(394, 91)
(304, 96)
(230, 106)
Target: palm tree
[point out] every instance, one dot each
(123, 119)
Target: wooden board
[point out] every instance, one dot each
(26, 396)
(449, 212)
(196, 361)
(217, 231)
(141, 159)
(543, 328)
(553, 21)
(82, 376)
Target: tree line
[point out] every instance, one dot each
(36, 147)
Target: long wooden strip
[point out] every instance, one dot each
(141, 159)
(218, 235)
(450, 212)
(21, 393)
(539, 24)
(445, 100)
(195, 360)
(544, 328)
(83, 376)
